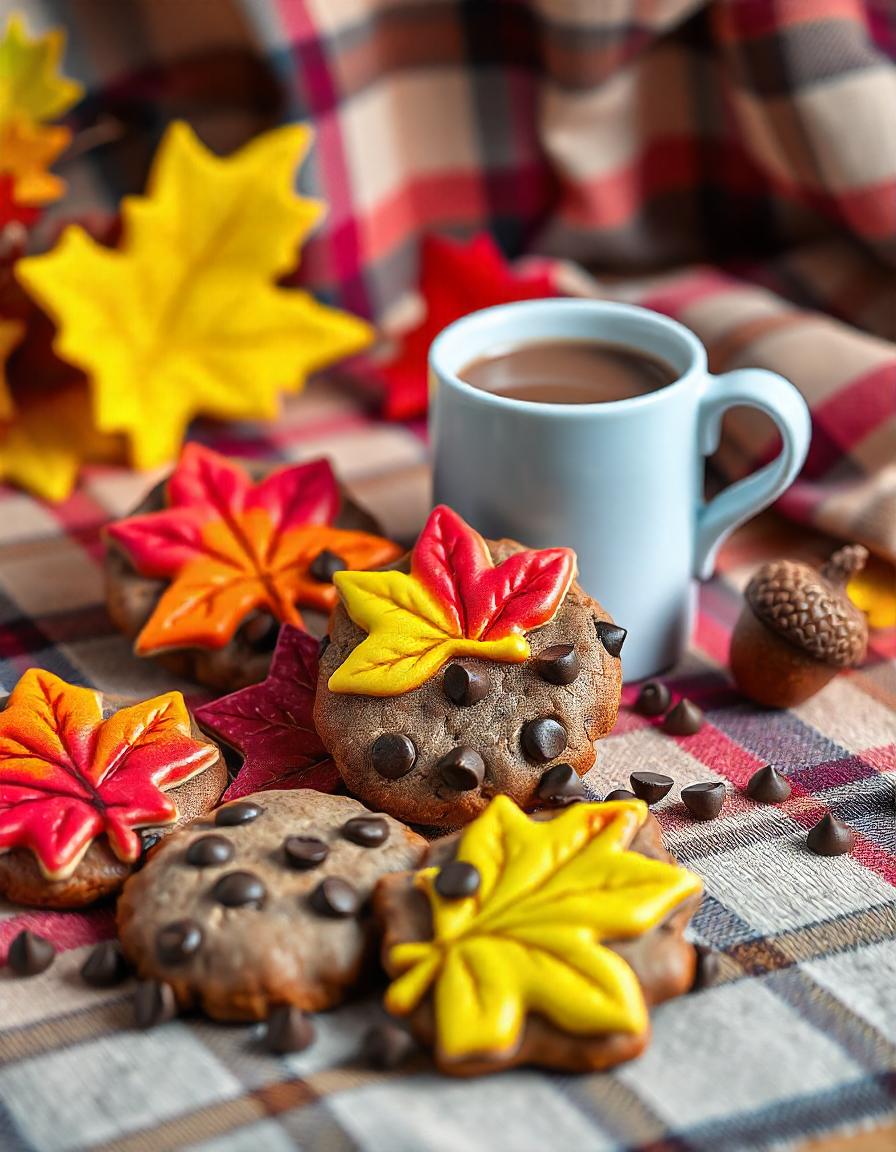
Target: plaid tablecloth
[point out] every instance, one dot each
(796, 1042)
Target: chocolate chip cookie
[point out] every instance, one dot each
(266, 902)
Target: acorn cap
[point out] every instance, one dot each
(809, 607)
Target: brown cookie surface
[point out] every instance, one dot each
(263, 903)
(438, 754)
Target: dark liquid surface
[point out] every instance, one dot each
(568, 372)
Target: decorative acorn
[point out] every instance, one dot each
(797, 629)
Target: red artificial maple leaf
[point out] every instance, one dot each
(455, 279)
(11, 211)
(230, 546)
(271, 723)
(67, 775)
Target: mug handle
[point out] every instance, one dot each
(778, 398)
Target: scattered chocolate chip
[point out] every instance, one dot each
(323, 646)
(261, 632)
(240, 812)
(558, 664)
(611, 636)
(368, 831)
(768, 786)
(707, 971)
(458, 879)
(462, 768)
(704, 801)
(209, 850)
(335, 897)
(393, 755)
(543, 739)
(105, 966)
(650, 787)
(386, 1046)
(178, 941)
(30, 954)
(305, 851)
(830, 837)
(154, 1003)
(619, 794)
(559, 785)
(653, 699)
(325, 565)
(239, 890)
(288, 1030)
(684, 720)
(464, 686)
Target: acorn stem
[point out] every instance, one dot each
(844, 564)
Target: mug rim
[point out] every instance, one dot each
(483, 316)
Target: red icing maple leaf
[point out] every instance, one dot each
(271, 723)
(67, 775)
(455, 279)
(230, 546)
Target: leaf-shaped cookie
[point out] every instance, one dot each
(530, 940)
(454, 602)
(189, 304)
(271, 723)
(68, 776)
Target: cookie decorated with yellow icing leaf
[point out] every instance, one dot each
(539, 941)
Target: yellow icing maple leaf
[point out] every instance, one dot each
(52, 435)
(26, 152)
(186, 317)
(11, 332)
(32, 86)
(529, 940)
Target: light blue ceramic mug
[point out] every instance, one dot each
(620, 482)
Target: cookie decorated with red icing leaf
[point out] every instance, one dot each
(470, 668)
(213, 562)
(80, 782)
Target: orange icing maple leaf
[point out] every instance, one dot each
(67, 775)
(230, 546)
(455, 602)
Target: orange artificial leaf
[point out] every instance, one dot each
(26, 152)
(11, 332)
(874, 591)
(67, 775)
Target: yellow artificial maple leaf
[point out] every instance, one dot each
(11, 332)
(530, 939)
(873, 590)
(186, 317)
(26, 152)
(31, 83)
(53, 433)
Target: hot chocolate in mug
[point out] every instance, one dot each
(621, 481)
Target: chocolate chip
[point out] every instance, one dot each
(653, 699)
(386, 1046)
(261, 632)
(543, 739)
(240, 812)
(707, 970)
(154, 1003)
(335, 897)
(288, 1030)
(325, 565)
(105, 966)
(393, 755)
(239, 890)
(768, 786)
(305, 851)
(368, 831)
(464, 686)
(323, 646)
(704, 801)
(178, 941)
(558, 664)
(650, 787)
(611, 636)
(457, 879)
(830, 837)
(560, 785)
(30, 954)
(619, 794)
(462, 768)
(684, 720)
(209, 850)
